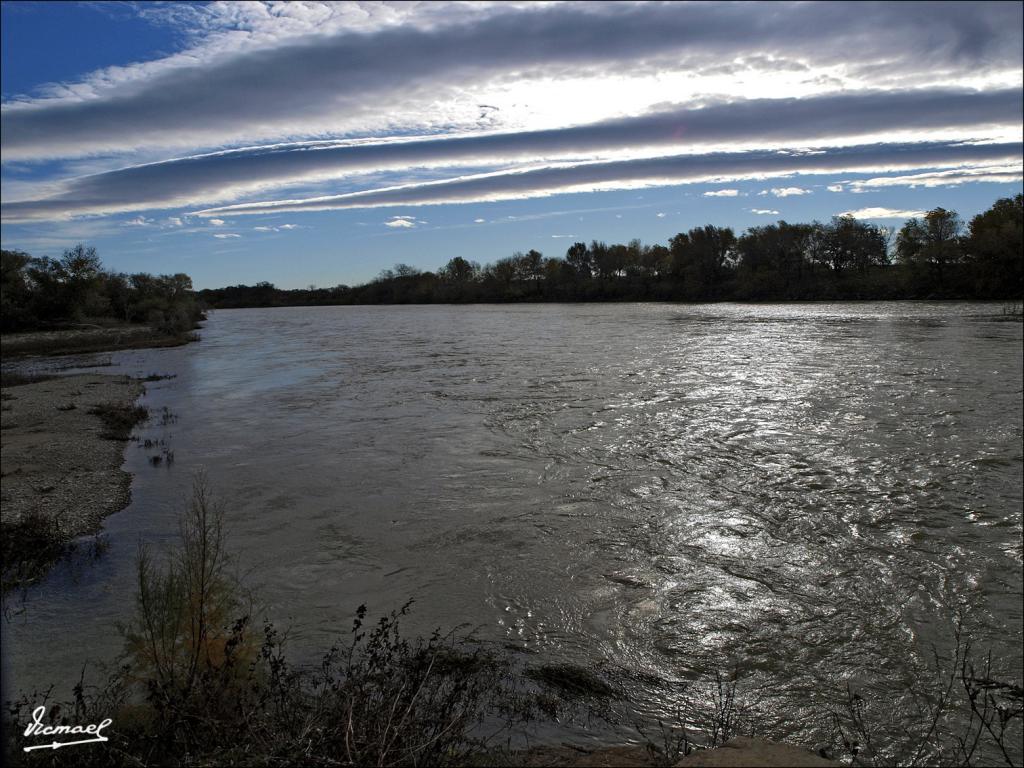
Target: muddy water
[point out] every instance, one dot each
(810, 492)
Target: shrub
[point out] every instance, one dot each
(119, 420)
(28, 548)
(196, 686)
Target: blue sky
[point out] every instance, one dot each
(319, 143)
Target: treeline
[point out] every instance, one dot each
(936, 256)
(40, 292)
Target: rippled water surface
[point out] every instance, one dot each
(810, 491)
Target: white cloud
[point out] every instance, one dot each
(646, 172)
(139, 221)
(226, 235)
(265, 229)
(835, 187)
(764, 211)
(223, 177)
(995, 174)
(270, 71)
(479, 221)
(289, 226)
(559, 237)
(789, 191)
(882, 213)
(660, 215)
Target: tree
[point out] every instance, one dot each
(928, 248)
(995, 248)
(702, 259)
(773, 261)
(81, 270)
(459, 271)
(849, 243)
(532, 265)
(405, 270)
(659, 259)
(579, 258)
(15, 293)
(502, 275)
(81, 263)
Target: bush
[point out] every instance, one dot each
(28, 548)
(197, 686)
(119, 420)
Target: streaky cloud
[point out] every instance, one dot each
(321, 85)
(998, 174)
(882, 213)
(661, 171)
(225, 176)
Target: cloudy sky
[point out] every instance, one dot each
(318, 143)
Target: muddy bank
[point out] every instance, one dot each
(90, 339)
(62, 449)
(739, 751)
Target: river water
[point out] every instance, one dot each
(808, 491)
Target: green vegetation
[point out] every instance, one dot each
(200, 686)
(933, 257)
(29, 547)
(119, 420)
(75, 291)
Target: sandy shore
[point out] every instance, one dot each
(58, 460)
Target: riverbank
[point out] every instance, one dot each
(104, 338)
(739, 751)
(62, 451)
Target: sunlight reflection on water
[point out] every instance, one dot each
(807, 490)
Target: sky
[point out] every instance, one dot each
(310, 143)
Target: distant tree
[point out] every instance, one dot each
(852, 244)
(702, 259)
(600, 259)
(117, 288)
(81, 263)
(773, 261)
(458, 270)
(657, 260)
(15, 291)
(579, 258)
(81, 270)
(41, 291)
(405, 270)
(637, 266)
(995, 248)
(532, 267)
(501, 277)
(608, 260)
(928, 248)
(48, 283)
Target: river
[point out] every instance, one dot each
(808, 491)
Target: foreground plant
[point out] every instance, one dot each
(965, 717)
(198, 686)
